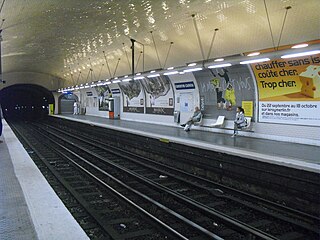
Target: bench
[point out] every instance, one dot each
(199, 123)
(248, 126)
(219, 122)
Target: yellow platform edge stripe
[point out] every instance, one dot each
(164, 140)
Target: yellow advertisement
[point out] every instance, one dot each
(51, 109)
(289, 89)
(248, 108)
(294, 79)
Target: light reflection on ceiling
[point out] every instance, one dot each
(68, 38)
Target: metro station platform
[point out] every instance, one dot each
(293, 155)
(29, 208)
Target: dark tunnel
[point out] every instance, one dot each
(25, 101)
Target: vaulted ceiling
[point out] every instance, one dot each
(60, 41)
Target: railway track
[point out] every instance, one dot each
(172, 204)
(287, 186)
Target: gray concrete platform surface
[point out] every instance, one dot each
(29, 208)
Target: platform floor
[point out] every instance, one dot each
(294, 155)
(29, 208)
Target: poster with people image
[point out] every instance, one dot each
(133, 96)
(104, 93)
(223, 89)
(159, 95)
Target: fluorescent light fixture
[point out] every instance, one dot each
(171, 73)
(253, 54)
(192, 69)
(170, 68)
(302, 45)
(100, 84)
(220, 65)
(126, 76)
(86, 86)
(153, 71)
(153, 75)
(138, 74)
(116, 78)
(126, 80)
(219, 60)
(108, 83)
(93, 85)
(293, 55)
(137, 78)
(192, 64)
(81, 87)
(255, 60)
(116, 81)
(182, 72)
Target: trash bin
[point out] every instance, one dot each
(82, 110)
(176, 116)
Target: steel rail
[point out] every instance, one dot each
(266, 203)
(164, 208)
(231, 222)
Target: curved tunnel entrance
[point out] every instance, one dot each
(25, 101)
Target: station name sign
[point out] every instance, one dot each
(184, 85)
(115, 91)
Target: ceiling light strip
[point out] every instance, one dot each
(192, 69)
(220, 65)
(171, 73)
(293, 55)
(255, 61)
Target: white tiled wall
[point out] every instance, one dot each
(279, 132)
(290, 133)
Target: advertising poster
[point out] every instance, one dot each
(248, 108)
(133, 96)
(186, 102)
(90, 102)
(289, 90)
(223, 89)
(159, 95)
(51, 109)
(186, 99)
(103, 93)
